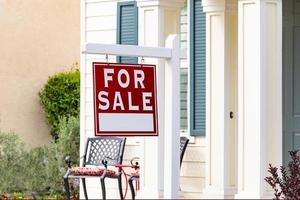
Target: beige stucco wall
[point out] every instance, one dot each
(38, 38)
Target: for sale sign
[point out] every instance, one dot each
(125, 99)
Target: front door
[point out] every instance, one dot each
(291, 77)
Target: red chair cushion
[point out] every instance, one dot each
(136, 174)
(92, 171)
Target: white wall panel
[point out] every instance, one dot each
(89, 97)
(101, 23)
(195, 153)
(89, 83)
(101, 9)
(192, 185)
(100, 58)
(89, 125)
(193, 169)
(89, 107)
(105, 36)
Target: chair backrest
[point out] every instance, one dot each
(109, 148)
(183, 144)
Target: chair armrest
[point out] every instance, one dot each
(68, 160)
(136, 164)
(104, 162)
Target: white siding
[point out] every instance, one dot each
(192, 179)
(99, 25)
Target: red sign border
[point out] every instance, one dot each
(125, 133)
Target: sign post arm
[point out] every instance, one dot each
(172, 121)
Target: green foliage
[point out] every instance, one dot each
(45, 169)
(41, 169)
(12, 153)
(18, 195)
(60, 97)
(69, 138)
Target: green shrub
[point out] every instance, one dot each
(12, 155)
(35, 172)
(39, 169)
(69, 138)
(44, 170)
(60, 97)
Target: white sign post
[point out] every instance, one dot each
(172, 54)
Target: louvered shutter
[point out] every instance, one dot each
(197, 68)
(127, 27)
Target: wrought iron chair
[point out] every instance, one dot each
(183, 144)
(100, 151)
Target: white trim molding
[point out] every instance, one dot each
(221, 98)
(260, 94)
(219, 5)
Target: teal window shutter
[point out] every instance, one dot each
(127, 27)
(197, 68)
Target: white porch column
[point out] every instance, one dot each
(221, 91)
(260, 94)
(157, 20)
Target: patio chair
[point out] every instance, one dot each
(99, 151)
(135, 177)
(183, 144)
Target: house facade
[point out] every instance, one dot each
(239, 88)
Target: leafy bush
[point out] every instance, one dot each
(60, 97)
(45, 169)
(69, 138)
(12, 155)
(287, 186)
(68, 145)
(41, 169)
